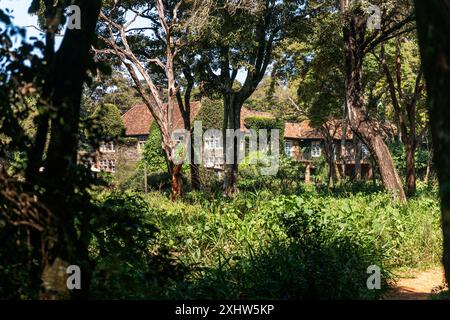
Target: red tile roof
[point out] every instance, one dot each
(138, 119)
(304, 130)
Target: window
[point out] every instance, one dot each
(112, 165)
(107, 147)
(212, 143)
(141, 143)
(316, 150)
(103, 165)
(179, 140)
(288, 148)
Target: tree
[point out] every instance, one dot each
(228, 51)
(433, 23)
(357, 43)
(116, 89)
(405, 97)
(57, 128)
(110, 121)
(150, 55)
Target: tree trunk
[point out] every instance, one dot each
(71, 63)
(428, 169)
(176, 181)
(410, 149)
(433, 23)
(354, 32)
(232, 120)
(357, 147)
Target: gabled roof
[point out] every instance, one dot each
(301, 130)
(138, 119)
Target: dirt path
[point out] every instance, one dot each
(418, 288)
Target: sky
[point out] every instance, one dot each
(20, 14)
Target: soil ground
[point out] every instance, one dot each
(421, 286)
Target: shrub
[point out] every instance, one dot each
(129, 264)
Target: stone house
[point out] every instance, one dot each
(301, 141)
(306, 143)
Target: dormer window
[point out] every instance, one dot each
(107, 147)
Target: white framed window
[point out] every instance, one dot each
(103, 165)
(107, 147)
(212, 142)
(141, 143)
(316, 149)
(288, 148)
(112, 165)
(179, 139)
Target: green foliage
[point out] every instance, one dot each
(211, 114)
(288, 179)
(399, 156)
(294, 247)
(121, 251)
(258, 123)
(109, 122)
(153, 155)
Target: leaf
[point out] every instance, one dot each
(4, 18)
(34, 7)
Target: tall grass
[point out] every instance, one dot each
(308, 246)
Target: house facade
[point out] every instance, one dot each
(306, 144)
(301, 142)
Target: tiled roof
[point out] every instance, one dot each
(301, 130)
(304, 130)
(138, 119)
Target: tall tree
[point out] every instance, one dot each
(405, 96)
(358, 41)
(150, 54)
(433, 23)
(247, 49)
(62, 93)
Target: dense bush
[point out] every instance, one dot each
(153, 155)
(288, 180)
(295, 247)
(127, 262)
